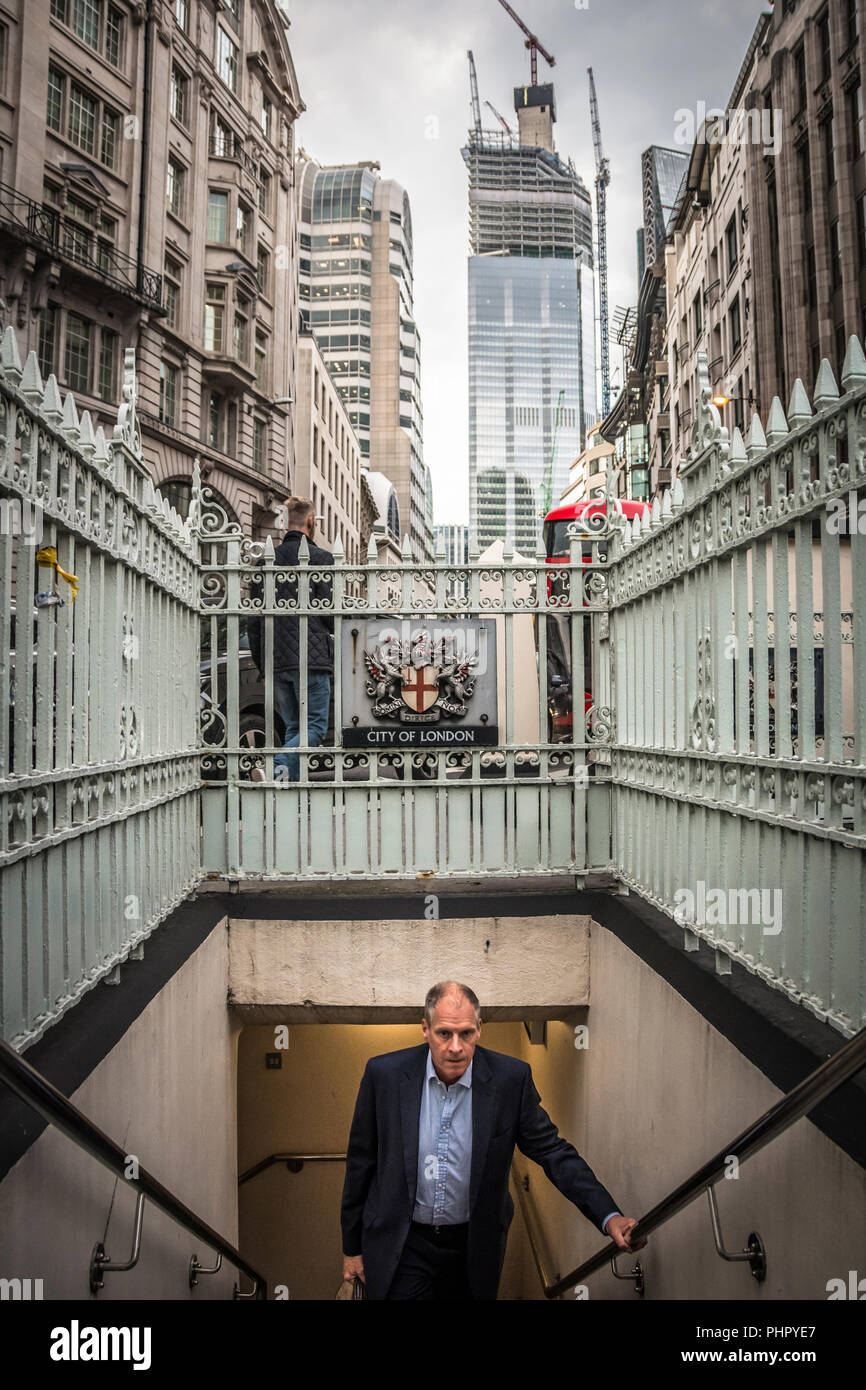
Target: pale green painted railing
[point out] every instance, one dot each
(99, 768)
(526, 807)
(738, 636)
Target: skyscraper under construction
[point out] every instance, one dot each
(532, 389)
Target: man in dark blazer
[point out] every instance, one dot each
(426, 1206)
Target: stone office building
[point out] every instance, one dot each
(145, 201)
(808, 203)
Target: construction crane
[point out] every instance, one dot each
(473, 84)
(532, 43)
(500, 118)
(547, 485)
(602, 179)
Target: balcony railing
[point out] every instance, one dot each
(46, 227)
(232, 148)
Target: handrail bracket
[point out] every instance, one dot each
(754, 1251)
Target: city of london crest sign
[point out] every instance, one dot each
(412, 682)
(406, 679)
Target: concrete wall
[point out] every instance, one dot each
(166, 1093)
(341, 972)
(290, 1222)
(656, 1094)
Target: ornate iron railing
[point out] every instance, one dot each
(46, 227)
(739, 786)
(99, 770)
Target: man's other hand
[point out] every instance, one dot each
(619, 1228)
(353, 1267)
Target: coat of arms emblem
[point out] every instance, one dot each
(417, 681)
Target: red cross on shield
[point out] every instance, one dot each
(420, 687)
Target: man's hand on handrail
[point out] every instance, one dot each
(353, 1266)
(619, 1228)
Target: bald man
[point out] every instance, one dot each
(426, 1206)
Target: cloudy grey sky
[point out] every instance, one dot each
(389, 80)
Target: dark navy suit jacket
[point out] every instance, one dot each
(382, 1163)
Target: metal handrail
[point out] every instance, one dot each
(288, 1159)
(529, 1220)
(820, 1083)
(43, 1097)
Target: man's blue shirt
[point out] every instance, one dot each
(444, 1149)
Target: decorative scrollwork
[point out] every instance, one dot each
(599, 724)
(129, 732)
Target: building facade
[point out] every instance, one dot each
(105, 190)
(710, 270)
(356, 291)
(807, 204)
(532, 387)
(453, 538)
(327, 454)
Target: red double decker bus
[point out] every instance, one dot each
(557, 549)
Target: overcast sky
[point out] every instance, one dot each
(390, 81)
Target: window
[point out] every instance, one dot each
(811, 285)
(852, 22)
(800, 78)
(168, 378)
(47, 350)
(217, 215)
(835, 257)
(823, 27)
(98, 25)
(56, 89)
(263, 271)
(107, 387)
(178, 100)
(110, 134)
(697, 313)
(861, 230)
(82, 119)
(240, 336)
(224, 142)
(267, 116)
(79, 349)
(181, 14)
(85, 21)
(175, 182)
(731, 243)
(734, 325)
(829, 151)
(114, 36)
(215, 414)
(173, 282)
(855, 117)
(261, 363)
(805, 176)
(77, 233)
(260, 445)
(264, 193)
(214, 318)
(227, 60)
(244, 230)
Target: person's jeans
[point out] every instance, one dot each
(286, 690)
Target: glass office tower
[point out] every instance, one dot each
(532, 356)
